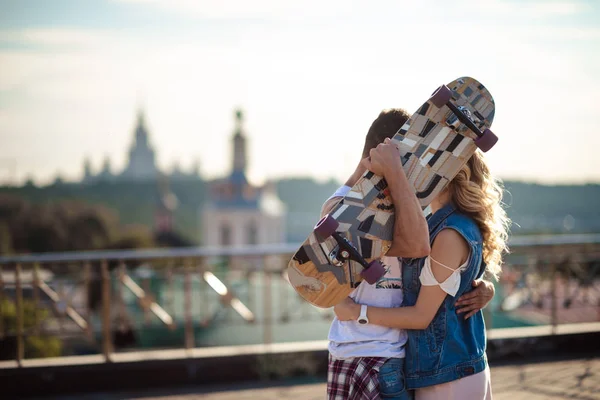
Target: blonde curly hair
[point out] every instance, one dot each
(478, 194)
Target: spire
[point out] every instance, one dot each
(141, 164)
(106, 168)
(195, 171)
(239, 144)
(141, 136)
(87, 169)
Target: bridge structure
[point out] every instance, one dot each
(94, 321)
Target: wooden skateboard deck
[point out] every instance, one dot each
(434, 144)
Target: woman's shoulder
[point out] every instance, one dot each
(449, 247)
(465, 225)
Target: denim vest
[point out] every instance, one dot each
(450, 347)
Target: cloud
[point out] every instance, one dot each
(527, 8)
(50, 60)
(250, 9)
(78, 86)
(277, 9)
(58, 37)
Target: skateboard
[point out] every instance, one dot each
(346, 245)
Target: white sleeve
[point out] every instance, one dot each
(342, 191)
(450, 285)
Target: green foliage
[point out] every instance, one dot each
(5, 238)
(43, 346)
(122, 206)
(305, 194)
(552, 209)
(133, 237)
(35, 345)
(67, 225)
(120, 215)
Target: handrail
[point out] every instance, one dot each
(254, 250)
(550, 302)
(181, 252)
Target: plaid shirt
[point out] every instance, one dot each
(355, 379)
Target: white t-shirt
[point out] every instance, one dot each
(348, 339)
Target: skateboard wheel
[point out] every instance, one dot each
(325, 227)
(441, 96)
(486, 141)
(375, 272)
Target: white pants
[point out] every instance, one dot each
(474, 387)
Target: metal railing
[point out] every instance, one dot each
(198, 297)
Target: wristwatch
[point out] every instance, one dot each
(362, 318)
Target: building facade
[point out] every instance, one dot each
(238, 213)
(141, 162)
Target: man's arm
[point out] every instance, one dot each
(356, 175)
(411, 233)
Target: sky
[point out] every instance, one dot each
(310, 77)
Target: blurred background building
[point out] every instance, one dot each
(141, 162)
(238, 212)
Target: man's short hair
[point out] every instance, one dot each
(386, 125)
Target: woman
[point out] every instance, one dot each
(445, 353)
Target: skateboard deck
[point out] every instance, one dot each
(434, 144)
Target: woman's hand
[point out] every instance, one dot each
(347, 310)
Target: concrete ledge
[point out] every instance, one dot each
(235, 364)
(543, 330)
(175, 354)
(163, 368)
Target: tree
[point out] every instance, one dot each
(64, 226)
(35, 346)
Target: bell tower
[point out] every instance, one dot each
(239, 144)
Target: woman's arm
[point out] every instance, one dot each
(449, 249)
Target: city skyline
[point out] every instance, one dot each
(72, 82)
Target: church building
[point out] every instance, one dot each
(238, 213)
(141, 162)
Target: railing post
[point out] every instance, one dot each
(36, 297)
(1, 304)
(19, 312)
(187, 289)
(86, 292)
(204, 307)
(250, 279)
(170, 305)
(106, 337)
(147, 300)
(267, 303)
(122, 311)
(553, 299)
(61, 306)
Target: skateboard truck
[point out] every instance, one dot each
(441, 97)
(345, 251)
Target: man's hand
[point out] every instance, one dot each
(476, 299)
(347, 310)
(384, 159)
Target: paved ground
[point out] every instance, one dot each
(572, 379)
